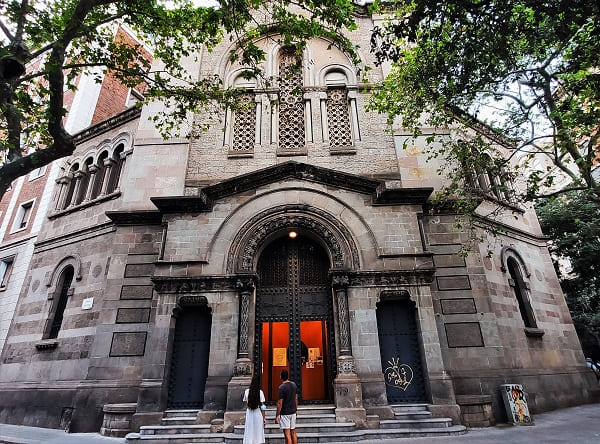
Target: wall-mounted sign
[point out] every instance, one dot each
(87, 304)
(279, 357)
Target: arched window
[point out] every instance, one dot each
(115, 171)
(60, 302)
(490, 178)
(84, 179)
(243, 128)
(99, 176)
(70, 186)
(339, 131)
(521, 292)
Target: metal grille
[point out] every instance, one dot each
(291, 104)
(244, 124)
(338, 117)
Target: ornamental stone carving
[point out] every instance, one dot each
(337, 238)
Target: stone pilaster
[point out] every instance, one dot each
(348, 391)
(242, 373)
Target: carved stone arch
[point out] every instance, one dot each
(255, 234)
(190, 301)
(72, 260)
(345, 70)
(400, 294)
(124, 139)
(232, 79)
(104, 147)
(510, 252)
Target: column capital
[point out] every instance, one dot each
(340, 281)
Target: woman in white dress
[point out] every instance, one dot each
(254, 431)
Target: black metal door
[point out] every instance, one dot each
(293, 287)
(189, 364)
(400, 351)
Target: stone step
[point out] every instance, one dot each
(185, 429)
(303, 417)
(319, 428)
(136, 438)
(413, 415)
(415, 423)
(178, 420)
(390, 435)
(181, 413)
(409, 407)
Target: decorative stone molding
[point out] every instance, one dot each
(204, 198)
(346, 365)
(73, 260)
(251, 237)
(508, 252)
(169, 284)
(242, 367)
(141, 217)
(193, 301)
(389, 278)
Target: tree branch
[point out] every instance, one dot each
(6, 31)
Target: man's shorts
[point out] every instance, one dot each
(287, 421)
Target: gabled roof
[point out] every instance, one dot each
(291, 170)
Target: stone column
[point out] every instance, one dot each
(64, 183)
(348, 390)
(243, 366)
(78, 176)
(92, 170)
(108, 165)
(242, 372)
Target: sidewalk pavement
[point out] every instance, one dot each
(573, 425)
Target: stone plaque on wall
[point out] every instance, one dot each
(133, 315)
(128, 343)
(136, 292)
(453, 282)
(464, 334)
(448, 260)
(458, 306)
(138, 270)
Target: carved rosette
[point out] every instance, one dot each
(346, 365)
(242, 367)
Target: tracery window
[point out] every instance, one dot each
(291, 102)
(244, 124)
(338, 117)
(339, 112)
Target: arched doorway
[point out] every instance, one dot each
(189, 362)
(401, 362)
(294, 319)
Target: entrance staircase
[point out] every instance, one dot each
(315, 424)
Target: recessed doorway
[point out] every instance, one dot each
(294, 319)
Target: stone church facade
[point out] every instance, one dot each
(295, 233)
